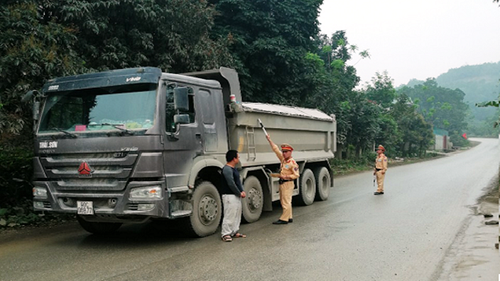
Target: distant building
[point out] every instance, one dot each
(441, 140)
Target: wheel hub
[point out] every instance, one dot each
(253, 199)
(208, 209)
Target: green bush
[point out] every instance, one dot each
(363, 163)
(23, 215)
(15, 179)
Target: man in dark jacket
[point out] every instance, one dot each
(232, 192)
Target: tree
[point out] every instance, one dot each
(270, 42)
(417, 134)
(494, 103)
(170, 34)
(341, 80)
(30, 52)
(389, 133)
(442, 107)
(363, 120)
(381, 90)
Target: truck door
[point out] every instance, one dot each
(182, 140)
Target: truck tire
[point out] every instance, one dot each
(323, 183)
(307, 188)
(252, 204)
(206, 214)
(98, 228)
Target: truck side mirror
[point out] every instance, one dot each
(36, 105)
(181, 101)
(28, 96)
(181, 119)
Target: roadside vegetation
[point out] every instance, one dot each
(366, 162)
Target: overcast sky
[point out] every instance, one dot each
(415, 39)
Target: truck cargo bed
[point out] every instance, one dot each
(310, 132)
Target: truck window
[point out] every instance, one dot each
(171, 127)
(93, 110)
(207, 107)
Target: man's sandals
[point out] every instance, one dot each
(229, 238)
(239, 235)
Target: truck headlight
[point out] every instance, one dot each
(150, 192)
(40, 192)
(38, 205)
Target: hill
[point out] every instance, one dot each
(479, 83)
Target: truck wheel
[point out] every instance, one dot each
(206, 214)
(98, 227)
(323, 183)
(307, 188)
(253, 202)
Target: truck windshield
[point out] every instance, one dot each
(97, 110)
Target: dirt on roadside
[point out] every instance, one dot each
(475, 256)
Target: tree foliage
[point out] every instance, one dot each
(170, 34)
(416, 133)
(381, 90)
(270, 41)
(493, 103)
(30, 52)
(442, 107)
(363, 121)
(339, 83)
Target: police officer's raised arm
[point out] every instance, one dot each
(275, 148)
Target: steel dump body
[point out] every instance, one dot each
(138, 144)
(310, 132)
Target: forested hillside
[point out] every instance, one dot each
(480, 83)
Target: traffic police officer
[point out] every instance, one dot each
(288, 173)
(380, 169)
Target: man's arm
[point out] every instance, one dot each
(275, 148)
(295, 170)
(384, 165)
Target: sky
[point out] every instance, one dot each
(415, 39)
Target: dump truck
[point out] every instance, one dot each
(134, 145)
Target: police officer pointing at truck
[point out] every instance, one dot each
(288, 173)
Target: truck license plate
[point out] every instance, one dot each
(85, 207)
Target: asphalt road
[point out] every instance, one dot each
(405, 234)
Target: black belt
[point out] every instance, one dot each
(378, 169)
(282, 181)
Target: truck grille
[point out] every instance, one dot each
(89, 184)
(104, 171)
